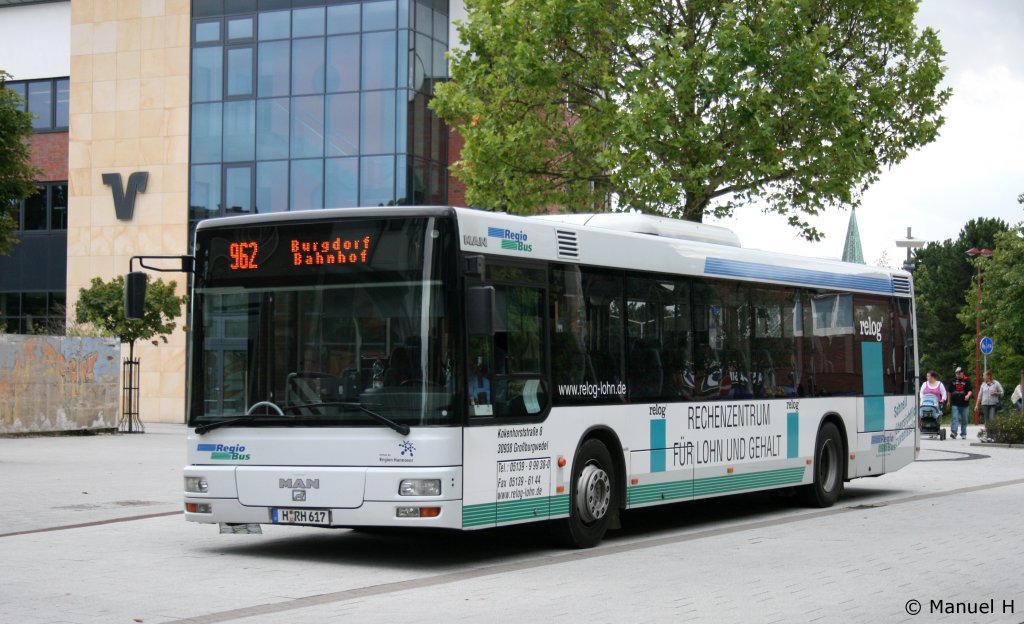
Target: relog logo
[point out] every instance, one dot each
(869, 327)
(515, 241)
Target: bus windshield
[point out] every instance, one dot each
(324, 323)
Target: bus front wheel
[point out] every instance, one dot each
(593, 497)
(824, 491)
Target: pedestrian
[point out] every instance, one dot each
(932, 387)
(1018, 394)
(990, 393)
(960, 391)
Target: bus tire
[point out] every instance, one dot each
(827, 485)
(593, 497)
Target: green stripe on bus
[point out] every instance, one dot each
(511, 511)
(560, 505)
(553, 506)
(476, 515)
(713, 485)
(523, 509)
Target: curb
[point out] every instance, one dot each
(998, 445)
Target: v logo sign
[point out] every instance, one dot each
(124, 202)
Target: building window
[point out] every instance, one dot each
(47, 209)
(304, 107)
(48, 100)
(32, 312)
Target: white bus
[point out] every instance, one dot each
(461, 369)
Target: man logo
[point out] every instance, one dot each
(124, 201)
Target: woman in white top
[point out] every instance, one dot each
(1018, 393)
(990, 393)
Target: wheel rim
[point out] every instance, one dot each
(593, 493)
(828, 466)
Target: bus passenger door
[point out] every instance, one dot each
(508, 449)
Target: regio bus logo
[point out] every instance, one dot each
(514, 241)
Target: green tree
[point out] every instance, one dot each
(688, 108)
(943, 275)
(102, 305)
(884, 260)
(1002, 294)
(17, 175)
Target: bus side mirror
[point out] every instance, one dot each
(135, 295)
(480, 310)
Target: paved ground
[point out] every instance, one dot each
(91, 532)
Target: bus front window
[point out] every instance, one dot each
(323, 347)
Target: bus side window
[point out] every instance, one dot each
(479, 382)
(506, 369)
(569, 361)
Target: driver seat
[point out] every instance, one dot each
(401, 367)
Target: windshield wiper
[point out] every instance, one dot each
(210, 426)
(400, 428)
(248, 418)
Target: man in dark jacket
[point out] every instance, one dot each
(960, 391)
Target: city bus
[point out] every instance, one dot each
(462, 369)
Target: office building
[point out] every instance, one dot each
(154, 114)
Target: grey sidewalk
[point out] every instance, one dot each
(66, 480)
(946, 528)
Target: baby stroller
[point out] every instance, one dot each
(930, 415)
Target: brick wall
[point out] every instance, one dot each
(456, 189)
(50, 153)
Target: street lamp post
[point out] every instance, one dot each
(974, 252)
(911, 244)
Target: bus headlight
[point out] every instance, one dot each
(196, 484)
(419, 487)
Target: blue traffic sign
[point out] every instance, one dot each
(986, 345)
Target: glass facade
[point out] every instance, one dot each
(46, 209)
(309, 104)
(48, 100)
(32, 312)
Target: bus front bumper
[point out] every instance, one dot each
(448, 514)
(324, 496)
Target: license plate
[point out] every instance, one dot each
(300, 516)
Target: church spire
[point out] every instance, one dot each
(851, 249)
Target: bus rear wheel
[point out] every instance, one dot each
(824, 491)
(593, 498)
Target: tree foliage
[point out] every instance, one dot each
(943, 275)
(102, 305)
(884, 260)
(17, 175)
(1002, 294)
(688, 107)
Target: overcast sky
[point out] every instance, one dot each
(974, 169)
